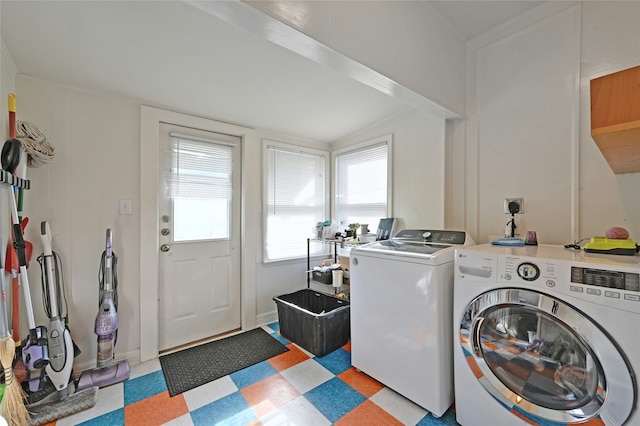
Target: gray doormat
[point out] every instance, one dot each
(193, 367)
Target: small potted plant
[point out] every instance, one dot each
(353, 228)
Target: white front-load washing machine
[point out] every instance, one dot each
(545, 335)
(401, 300)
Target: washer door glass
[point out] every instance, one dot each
(535, 354)
(538, 357)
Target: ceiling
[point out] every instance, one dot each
(474, 18)
(173, 55)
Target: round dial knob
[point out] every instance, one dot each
(528, 271)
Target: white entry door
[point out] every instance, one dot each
(199, 234)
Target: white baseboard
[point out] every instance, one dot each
(267, 318)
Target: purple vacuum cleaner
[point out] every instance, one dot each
(106, 327)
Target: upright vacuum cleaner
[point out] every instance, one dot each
(106, 326)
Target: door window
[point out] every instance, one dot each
(199, 183)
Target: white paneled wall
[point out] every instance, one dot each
(526, 100)
(528, 126)
(610, 43)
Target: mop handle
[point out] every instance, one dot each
(50, 277)
(11, 101)
(4, 319)
(19, 245)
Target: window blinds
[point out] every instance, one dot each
(199, 168)
(361, 185)
(295, 200)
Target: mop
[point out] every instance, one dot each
(79, 401)
(59, 340)
(106, 326)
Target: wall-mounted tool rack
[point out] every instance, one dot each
(7, 178)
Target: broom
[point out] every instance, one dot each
(12, 406)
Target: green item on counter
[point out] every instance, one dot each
(611, 246)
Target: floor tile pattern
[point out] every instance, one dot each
(294, 388)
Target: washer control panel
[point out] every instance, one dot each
(517, 269)
(609, 287)
(607, 280)
(613, 284)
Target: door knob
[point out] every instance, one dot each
(165, 248)
(164, 231)
(165, 218)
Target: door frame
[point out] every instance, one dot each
(150, 119)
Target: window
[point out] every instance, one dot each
(363, 183)
(296, 198)
(199, 184)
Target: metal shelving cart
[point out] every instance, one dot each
(344, 290)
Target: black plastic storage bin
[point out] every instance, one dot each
(318, 322)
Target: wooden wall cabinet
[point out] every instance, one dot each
(615, 119)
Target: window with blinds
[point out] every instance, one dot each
(296, 188)
(199, 183)
(362, 182)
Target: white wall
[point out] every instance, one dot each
(7, 85)
(610, 43)
(528, 129)
(525, 105)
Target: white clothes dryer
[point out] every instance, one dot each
(401, 301)
(545, 335)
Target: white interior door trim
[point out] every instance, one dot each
(150, 119)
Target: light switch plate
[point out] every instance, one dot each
(125, 207)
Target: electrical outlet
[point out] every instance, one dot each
(518, 201)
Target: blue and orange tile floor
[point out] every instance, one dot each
(294, 388)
